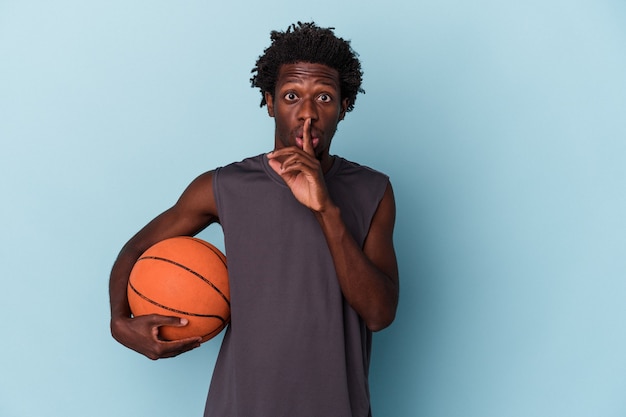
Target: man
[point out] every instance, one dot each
(309, 242)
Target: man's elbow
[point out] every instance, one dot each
(381, 321)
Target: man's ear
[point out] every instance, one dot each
(344, 108)
(269, 100)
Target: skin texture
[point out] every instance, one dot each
(307, 108)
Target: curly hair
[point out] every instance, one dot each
(307, 42)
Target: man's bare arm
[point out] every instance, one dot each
(368, 276)
(193, 212)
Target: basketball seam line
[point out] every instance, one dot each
(212, 248)
(173, 310)
(157, 258)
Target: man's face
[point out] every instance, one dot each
(303, 91)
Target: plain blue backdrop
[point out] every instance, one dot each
(501, 123)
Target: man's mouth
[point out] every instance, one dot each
(300, 142)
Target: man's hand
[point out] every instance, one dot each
(302, 172)
(141, 334)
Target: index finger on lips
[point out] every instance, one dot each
(307, 141)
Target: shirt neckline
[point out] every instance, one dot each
(337, 161)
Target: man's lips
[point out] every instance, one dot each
(300, 142)
(314, 134)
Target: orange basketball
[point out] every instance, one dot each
(184, 277)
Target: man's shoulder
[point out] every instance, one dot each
(347, 167)
(249, 163)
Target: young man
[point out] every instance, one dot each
(309, 242)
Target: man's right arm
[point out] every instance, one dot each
(194, 211)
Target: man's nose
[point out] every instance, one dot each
(308, 110)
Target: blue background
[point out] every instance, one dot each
(501, 123)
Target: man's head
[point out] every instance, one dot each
(306, 42)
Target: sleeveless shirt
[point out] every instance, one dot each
(294, 347)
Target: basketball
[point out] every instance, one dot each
(184, 277)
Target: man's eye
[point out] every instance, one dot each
(324, 98)
(291, 96)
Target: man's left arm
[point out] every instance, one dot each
(368, 276)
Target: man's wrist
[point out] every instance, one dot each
(329, 216)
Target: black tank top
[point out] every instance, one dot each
(294, 347)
